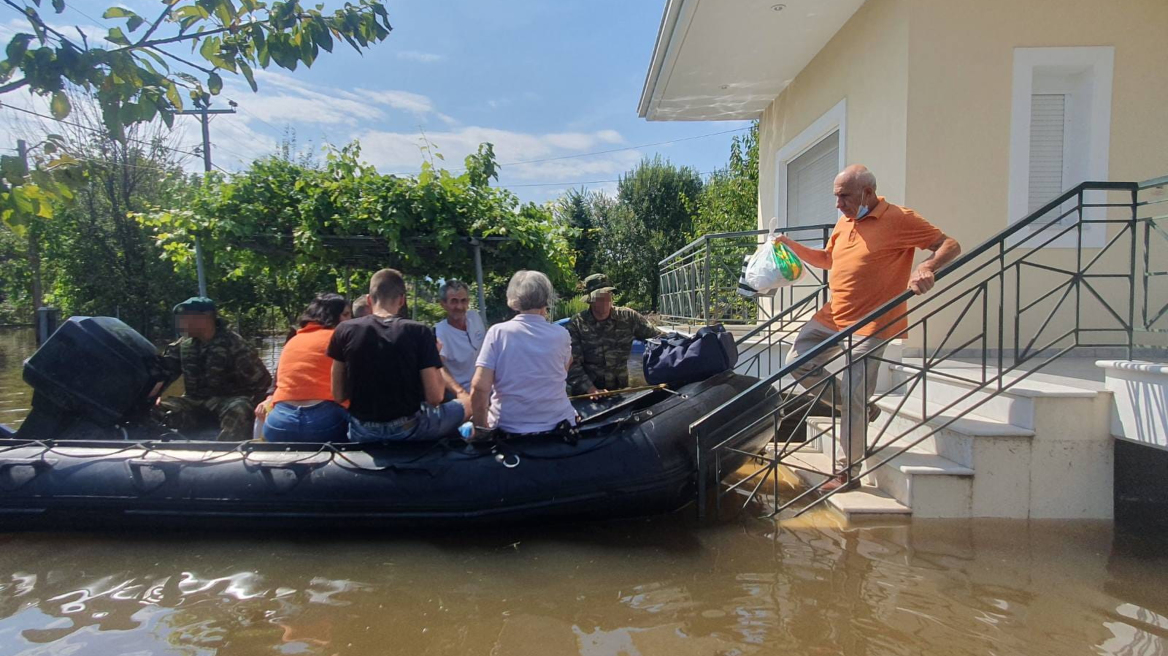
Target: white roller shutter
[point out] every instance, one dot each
(810, 198)
(1048, 116)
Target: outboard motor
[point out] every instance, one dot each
(91, 379)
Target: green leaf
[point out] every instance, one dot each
(209, 47)
(117, 12)
(59, 6)
(18, 46)
(134, 23)
(60, 105)
(214, 83)
(249, 75)
(13, 169)
(173, 96)
(117, 37)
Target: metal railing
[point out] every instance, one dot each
(1080, 258)
(699, 283)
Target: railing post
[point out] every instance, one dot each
(700, 461)
(706, 276)
(1131, 306)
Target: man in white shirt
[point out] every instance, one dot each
(461, 333)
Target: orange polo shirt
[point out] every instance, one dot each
(305, 370)
(871, 262)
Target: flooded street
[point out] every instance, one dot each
(660, 586)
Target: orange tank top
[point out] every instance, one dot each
(305, 370)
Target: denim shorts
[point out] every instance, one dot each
(321, 422)
(430, 423)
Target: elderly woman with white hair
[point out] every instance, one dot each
(520, 374)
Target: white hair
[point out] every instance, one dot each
(530, 290)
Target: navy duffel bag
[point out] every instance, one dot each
(677, 359)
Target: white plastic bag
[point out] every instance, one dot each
(764, 271)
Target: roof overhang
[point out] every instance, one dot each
(728, 59)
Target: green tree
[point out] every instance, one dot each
(137, 74)
(97, 258)
(574, 210)
(280, 232)
(729, 199)
(656, 195)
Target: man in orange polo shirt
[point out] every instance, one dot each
(870, 255)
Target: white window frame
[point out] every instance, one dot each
(835, 119)
(1099, 62)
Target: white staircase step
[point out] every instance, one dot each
(1017, 404)
(868, 500)
(929, 484)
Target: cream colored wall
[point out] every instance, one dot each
(929, 86)
(866, 63)
(960, 76)
(960, 62)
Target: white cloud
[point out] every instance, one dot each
(421, 57)
(285, 99)
(401, 152)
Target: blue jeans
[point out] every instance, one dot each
(429, 423)
(323, 422)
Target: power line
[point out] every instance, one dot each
(276, 129)
(104, 133)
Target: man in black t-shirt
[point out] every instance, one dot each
(389, 370)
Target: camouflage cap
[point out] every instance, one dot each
(196, 305)
(597, 283)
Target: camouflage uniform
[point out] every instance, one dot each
(600, 349)
(224, 380)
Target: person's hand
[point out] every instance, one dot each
(783, 239)
(262, 410)
(594, 393)
(922, 280)
(439, 343)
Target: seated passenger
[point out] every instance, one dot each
(223, 377)
(361, 306)
(389, 369)
(302, 408)
(523, 364)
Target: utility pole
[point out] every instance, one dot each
(204, 117)
(34, 247)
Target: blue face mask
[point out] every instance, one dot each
(863, 209)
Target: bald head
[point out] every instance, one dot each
(854, 187)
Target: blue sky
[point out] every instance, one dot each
(539, 79)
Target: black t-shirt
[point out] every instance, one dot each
(384, 358)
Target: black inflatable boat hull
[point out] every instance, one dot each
(638, 462)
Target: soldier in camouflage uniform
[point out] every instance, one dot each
(223, 377)
(602, 338)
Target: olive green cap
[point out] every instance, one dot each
(597, 283)
(196, 305)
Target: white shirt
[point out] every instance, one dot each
(460, 348)
(530, 358)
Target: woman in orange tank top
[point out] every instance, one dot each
(302, 408)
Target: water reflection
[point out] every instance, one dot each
(646, 587)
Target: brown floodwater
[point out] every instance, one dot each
(666, 585)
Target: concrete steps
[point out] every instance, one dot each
(1037, 449)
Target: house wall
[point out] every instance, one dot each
(960, 71)
(929, 97)
(865, 63)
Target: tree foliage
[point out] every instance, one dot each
(146, 64)
(654, 221)
(279, 232)
(729, 199)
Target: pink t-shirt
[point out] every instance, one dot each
(530, 358)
